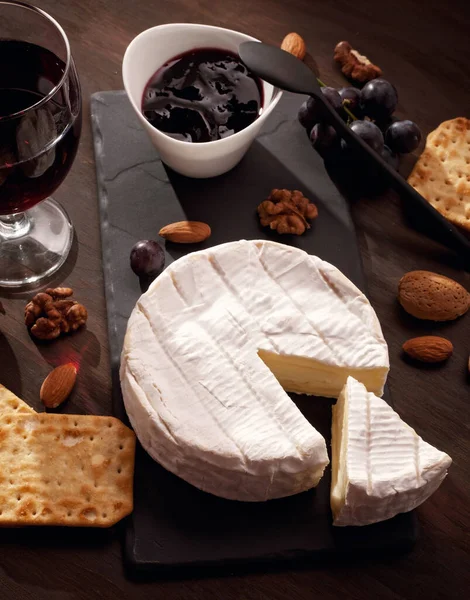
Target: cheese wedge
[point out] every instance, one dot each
(214, 344)
(380, 465)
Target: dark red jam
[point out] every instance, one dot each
(202, 95)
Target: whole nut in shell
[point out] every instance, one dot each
(434, 297)
(295, 45)
(185, 232)
(428, 348)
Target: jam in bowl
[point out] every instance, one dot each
(202, 95)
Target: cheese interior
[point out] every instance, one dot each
(339, 439)
(302, 375)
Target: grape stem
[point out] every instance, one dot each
(346, 109)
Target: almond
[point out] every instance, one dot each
(186, 232)
(428, 348)
(431, 296)
(58, 384)
(295, 45)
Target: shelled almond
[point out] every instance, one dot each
(428, 348)
(294, 44)
(185, 232)
(58, 385)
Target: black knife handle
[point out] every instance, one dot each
(447, 233)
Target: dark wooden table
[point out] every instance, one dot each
(423, 49)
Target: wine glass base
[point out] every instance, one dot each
(41, 248)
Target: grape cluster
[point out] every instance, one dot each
(369, 114)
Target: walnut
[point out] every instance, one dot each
(60, 292)
(45, 329)
(35, 308)
(355, 65)
(76, 316)
(287, 211)
(52, 313)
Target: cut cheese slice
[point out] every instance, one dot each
(380, 465)
(210, 347)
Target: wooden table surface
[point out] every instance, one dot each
(423, 49)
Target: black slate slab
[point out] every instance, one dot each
(175, 527)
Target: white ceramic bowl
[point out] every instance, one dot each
(149, 51)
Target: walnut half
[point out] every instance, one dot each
(287, 211)
(51, 313)
(355, 65)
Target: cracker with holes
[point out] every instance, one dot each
(442, 173)
(65, 470)
(11, 404)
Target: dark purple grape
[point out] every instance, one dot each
(147, 258)
(324, 139)
(403, 136)
(370, 133)
(311, 112)
(378, 99)
(307, 113)
(390, 158)
(332, 96)
(351, 98)
(384, 124)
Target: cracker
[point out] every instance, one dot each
(11, 404)
(65, 470)
(442, 173)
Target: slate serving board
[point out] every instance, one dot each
(175, 527)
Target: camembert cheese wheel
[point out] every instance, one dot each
(214, 345)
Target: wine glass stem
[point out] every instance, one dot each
(14, 226)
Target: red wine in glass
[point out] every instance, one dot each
(40, 122)
(37, 143)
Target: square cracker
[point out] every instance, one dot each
(442, 172)
(11, 404)
(74, 470)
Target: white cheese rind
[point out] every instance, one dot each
(380, 465)
(201, 400)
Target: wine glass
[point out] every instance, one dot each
(40, 125)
